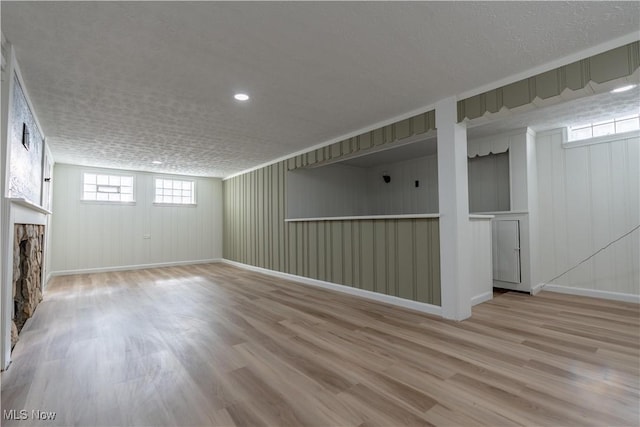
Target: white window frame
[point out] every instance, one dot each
(109, 174)
(175, 179)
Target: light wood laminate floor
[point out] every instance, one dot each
(217, 345)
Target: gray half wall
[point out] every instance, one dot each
(399, 257)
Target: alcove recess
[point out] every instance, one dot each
(398, 180)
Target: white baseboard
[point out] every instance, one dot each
(388, 299)
(537, 288)
(617, 296)
(487, 296)
(131, 267)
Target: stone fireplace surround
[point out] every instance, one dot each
(28, 250)
(18, 211)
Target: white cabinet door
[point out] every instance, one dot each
(506, 251)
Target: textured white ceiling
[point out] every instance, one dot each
(119, 84)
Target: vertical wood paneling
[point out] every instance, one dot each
(322, 264)
(337, 258)
(590, 198)
(355, 254)
(89, 235)
(347, 251)
(422, 268)
(312, 244)
(405, 259)
(380, 256)
(367, 265)
(396, 257)
(392, 257)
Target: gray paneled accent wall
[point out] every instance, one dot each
(399, 257)
(546, 87)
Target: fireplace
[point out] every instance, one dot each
(28, 249)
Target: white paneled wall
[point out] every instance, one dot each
(100, 236)
(481, 259)
(588, 197)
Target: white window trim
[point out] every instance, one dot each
(596, 140)
(173, 178)
(107, 202)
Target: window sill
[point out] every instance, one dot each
(106, 202)
(179, 205)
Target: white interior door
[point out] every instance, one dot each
(506, 251)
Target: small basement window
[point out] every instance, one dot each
(604, 128)
(107, 188)
(175, 192)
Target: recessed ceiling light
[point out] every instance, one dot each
(156, 162)
(623, 88)
(241, 96)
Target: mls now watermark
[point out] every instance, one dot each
(23, 414)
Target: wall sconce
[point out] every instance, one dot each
(386, 177)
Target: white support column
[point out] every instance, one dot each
(453, 195)
(6, 263)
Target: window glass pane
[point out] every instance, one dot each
(582, 133)
(107, 187)
(581, 127)
(627, 125)
(604, 129)
(126, 197)
(173, 191)
(604, 122)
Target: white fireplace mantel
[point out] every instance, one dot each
(27, 204)
(24, 212)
